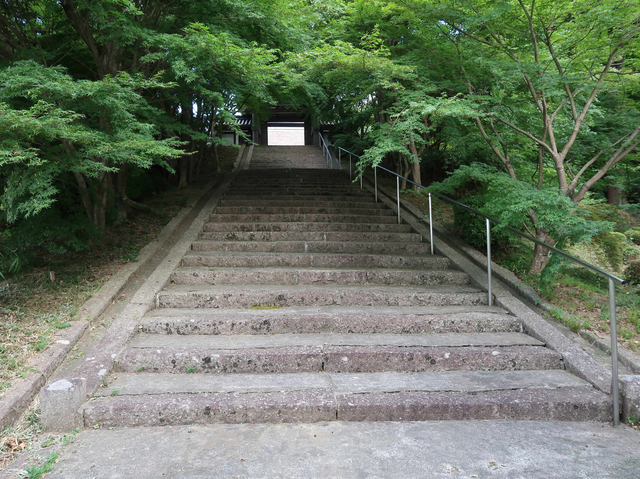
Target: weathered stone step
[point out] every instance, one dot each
(306, 218)
(316, 276)
(269, 341)
(317, 260)
(300, 210)
(351, 247)
(331, 319)
(292, 182)
(289, 172)
(577, 403)
(298, 202)
(132, 384)
(338, 359)
(300, 191)
(318, 226)
(333, 236)
(196, 296)
(254, 199)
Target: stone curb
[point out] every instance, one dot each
(247, 160)
(126, 323)
(20, 395)
(239, 157)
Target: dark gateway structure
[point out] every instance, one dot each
(280, 117)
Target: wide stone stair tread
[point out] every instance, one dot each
(336, 261)
(300, 210)
(336, 358)
(301, 218)
(324, 236)
(298, 202)
(201, 296)
(314, 276)
(293, 198)
(496, 395)
(342, 383)
(239, 342)
(370, 247)
(302, 193)
(306, 226)
(330, 319)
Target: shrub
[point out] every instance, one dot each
(632, 274)
(612, 244)
(613, 213)
(634, 235)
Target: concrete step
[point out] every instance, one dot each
(317, 226)
(166, 400)
(317, 260)
(306, 194)
(352, 353)
(255, 199)
(293, 182)
(369, 247)
(332, 236)
(300, 210)
(289, 172)
(197, 296)
(303, 203)
(330, 319)
(304, 218)
(316, 276)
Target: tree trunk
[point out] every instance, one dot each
(416, 175)
(540, 253)
(184, 171)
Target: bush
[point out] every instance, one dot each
(602, 212)
(612, 244)
(510, 202)
(632, 274)
(634, 235)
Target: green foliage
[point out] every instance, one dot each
(620, 218)
(633, 235)
(415, 119)
(511, 202)
(55, 125)
(612, 243)
(632, 273)
(38, 471)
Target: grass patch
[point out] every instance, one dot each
(266, 306)
(44, 296)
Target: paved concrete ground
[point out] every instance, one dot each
(452, 449)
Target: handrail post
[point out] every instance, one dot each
(361, 175)
(398, 194)
(375, 181)
(614, 353)
(430, 225)
(490, 296)
(350, 176)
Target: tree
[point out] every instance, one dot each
(542, 71)
(58, 129)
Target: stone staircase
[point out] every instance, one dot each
(279, 157)
(304, 301)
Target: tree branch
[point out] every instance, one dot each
(627, 147)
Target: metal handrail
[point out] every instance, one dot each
(611, 277)
(327, 153)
